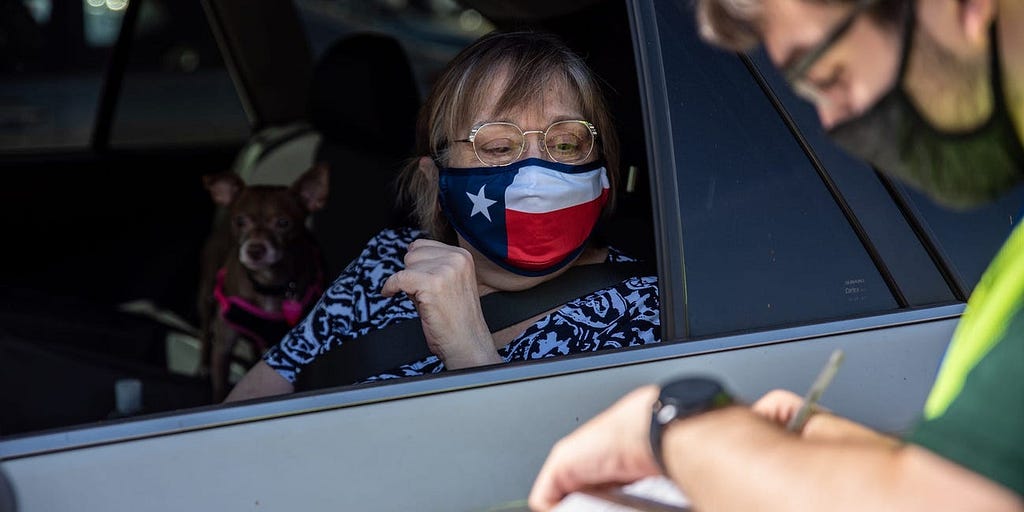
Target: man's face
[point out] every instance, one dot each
(853, 73)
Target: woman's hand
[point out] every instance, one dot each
(441, 281)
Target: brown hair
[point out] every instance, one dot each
(531, 61)
(733, 24)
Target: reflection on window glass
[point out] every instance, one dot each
(40, 10)
(431, 31)
(51, 72)
(764, 242)
(102, 21)
(176, 89)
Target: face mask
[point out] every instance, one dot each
(531, 217)
(956, 169)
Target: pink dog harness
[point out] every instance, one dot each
(264, 328)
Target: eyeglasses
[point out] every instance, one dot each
(500, 143)
(797, 71)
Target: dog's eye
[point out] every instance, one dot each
(283, 223)
(241, 220)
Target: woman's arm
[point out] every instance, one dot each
(260, 381)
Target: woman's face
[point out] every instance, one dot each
(556, 103)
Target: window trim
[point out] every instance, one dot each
(666, 210)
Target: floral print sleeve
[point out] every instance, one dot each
(622, 315)
(351, 307)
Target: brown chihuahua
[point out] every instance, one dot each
(261, 270)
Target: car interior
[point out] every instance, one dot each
(100, 282)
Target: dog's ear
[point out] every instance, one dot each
(312, 187)
(223, 187)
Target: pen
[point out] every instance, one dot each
(796, 423)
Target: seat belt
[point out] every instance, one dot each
(402, 343)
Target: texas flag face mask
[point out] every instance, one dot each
(531, 217)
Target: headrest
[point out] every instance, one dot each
(363, 94)
(524, 11)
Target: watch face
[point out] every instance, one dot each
(683, 397)
(680, 399)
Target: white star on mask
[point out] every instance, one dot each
(480, 203)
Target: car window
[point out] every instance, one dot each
(430, 32)
(914, 270)
(174, 76)
(764, 242)
(967, 239)
(964, 241)
(52, 61)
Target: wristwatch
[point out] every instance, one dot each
(680, 399)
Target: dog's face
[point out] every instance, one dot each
(265, 219)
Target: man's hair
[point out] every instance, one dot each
(733, 24)
(530, 63)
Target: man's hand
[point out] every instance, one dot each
(612, 448)
(780, 406)
(441, 280)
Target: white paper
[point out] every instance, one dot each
(656, 489)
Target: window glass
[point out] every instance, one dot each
(102, 21)
(967, 239)
(913, 269)
(431, 32)
(176, 89)
(39, 9)
(53, 66)
(52, 61)
(764, 243)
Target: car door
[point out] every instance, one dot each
(773, 249)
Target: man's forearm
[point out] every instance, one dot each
(732, 459)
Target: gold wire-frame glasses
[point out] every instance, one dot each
(500, 143)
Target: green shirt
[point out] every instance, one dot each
(975, 412)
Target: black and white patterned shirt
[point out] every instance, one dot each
(619, 316)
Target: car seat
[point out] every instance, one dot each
(363, 102)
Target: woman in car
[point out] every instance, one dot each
(518, 163)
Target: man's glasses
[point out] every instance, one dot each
(500, 143)
(797, 71)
